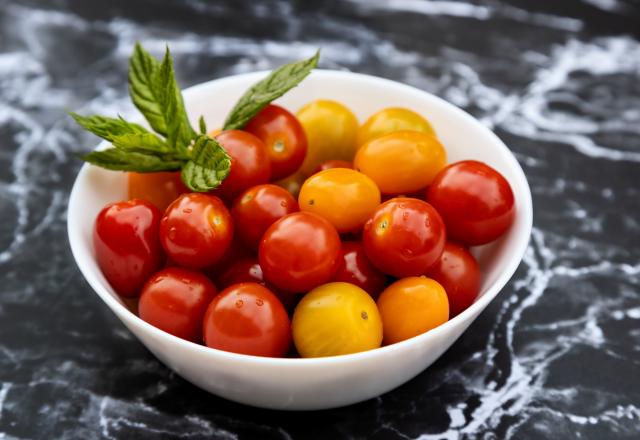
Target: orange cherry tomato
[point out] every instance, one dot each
(158, 188)
(410, 307)
(390, 120)
(401, 162)
(343, 196)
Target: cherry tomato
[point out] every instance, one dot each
(404, 237)
(299, 252)
(354, 267)
(458, 272)
(335, 319)
(247, 270)
(331, 131)
(390, 120)
(345, 197)
(175, 300)
(248, 318)
(128, 251)
(474, 200)
(196, 230)
(284, 138)
(333, 164)
(292, 183)
(401, 162)
(410, 307)
(234, 253)
(158, 188)
(259, 207)
(250, 163)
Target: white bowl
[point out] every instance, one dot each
(309, 384)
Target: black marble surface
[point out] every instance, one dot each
(556, 355)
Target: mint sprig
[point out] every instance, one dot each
(279, 82)
(175, 145)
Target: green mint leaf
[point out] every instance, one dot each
(179, 131)
(209, 165)
(143, 71)
(272, 87)
(107, 128)
(122, 160)
(141, 142)
(155, 92)
(203, 125)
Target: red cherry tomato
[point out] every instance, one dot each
(234, 253)
(248, 318)
(299, 252)
(258, 208)
(333, 164)
(247, 270)
(196, 230)
(175, 300)
(128, 251)
(459, 274)
(250, 164)
(284, 138)
(404, 237)
(354, 267)
(474, 200)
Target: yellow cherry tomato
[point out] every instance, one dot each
(335, 319)
(401, 162)
(412, 306)
(390, 120)
(345, 197)
(331, 131)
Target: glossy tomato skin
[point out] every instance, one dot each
(299, 252)
(234, 253)
(175, 300)
(250, 164)
(416, 158)
(127, 245)
(475, 201)
(343, 196)
(355, 268)
(158, 188)
(196, 230)
(331, 130)
(412, 306)
(404, 237)
(335, 319)
(248, 318)
(283, 137)
(330, 164)
(390, 120)
(458, 272)
(259, 207)
(246, 270)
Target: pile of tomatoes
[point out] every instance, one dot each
(333, 236)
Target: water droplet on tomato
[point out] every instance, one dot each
(172, 232)
(239, 303)
(283, 204)
(407, 252)
(185, 280)
(187, 210)
(158, 280)
(259, 302)
(405, 215)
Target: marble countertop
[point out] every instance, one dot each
(556, 355)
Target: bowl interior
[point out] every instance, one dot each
(462, 136)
